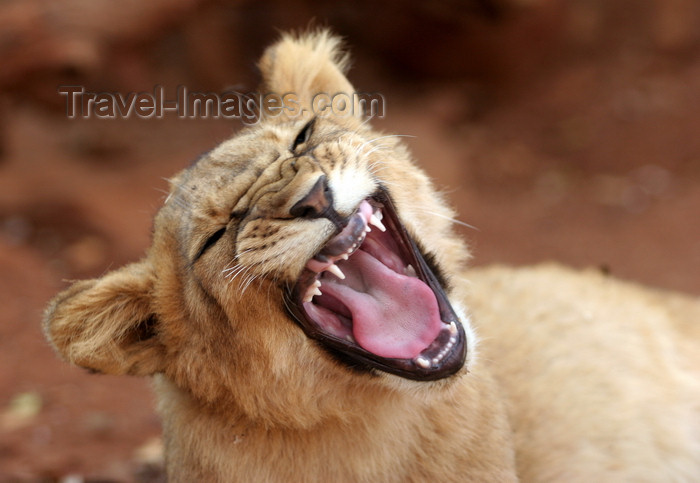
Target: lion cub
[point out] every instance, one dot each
(307, 317)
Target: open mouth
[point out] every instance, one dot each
(370, 295)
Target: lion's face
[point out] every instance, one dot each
(301, 251)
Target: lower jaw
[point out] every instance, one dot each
(424, 367)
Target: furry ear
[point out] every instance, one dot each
(311, 69)
(107, 325)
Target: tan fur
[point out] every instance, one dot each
(578, 377)
(602, 376)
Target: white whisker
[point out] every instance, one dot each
(233, 267)
(248, 282)
(239, 269)
(375, 148)
(381, 137)
(453, 220)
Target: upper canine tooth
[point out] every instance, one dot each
(316, 292)
(336, 271)
(376, 222)
(453, 327)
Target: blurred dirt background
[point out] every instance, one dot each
(561, 129)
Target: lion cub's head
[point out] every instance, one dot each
(303, 259)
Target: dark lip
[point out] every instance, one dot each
(406, 368)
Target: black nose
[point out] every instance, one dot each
(317, 203)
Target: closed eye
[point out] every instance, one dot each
(303, 135)
(210, 242)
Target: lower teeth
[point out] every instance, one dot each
(425, 363)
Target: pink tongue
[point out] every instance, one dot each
(393, 315)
